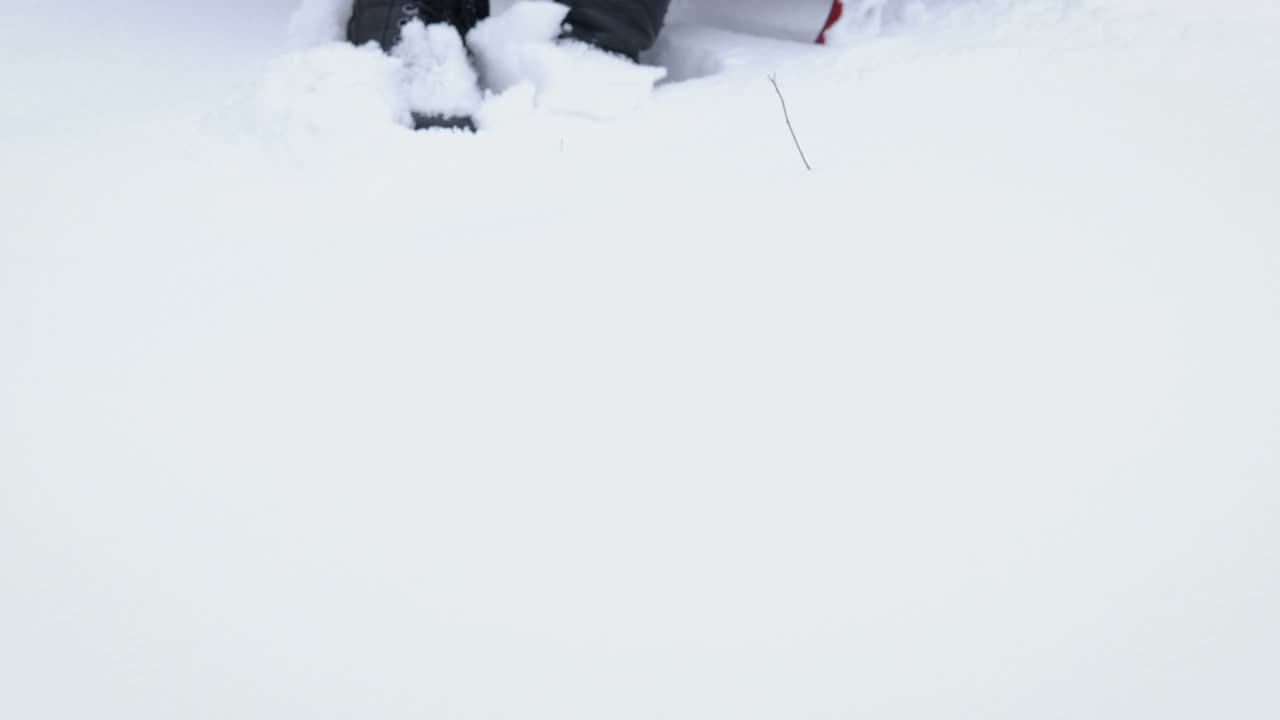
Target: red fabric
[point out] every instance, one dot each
(836, 10)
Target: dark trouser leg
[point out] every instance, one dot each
(622, 26)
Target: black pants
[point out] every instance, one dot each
(623, 26)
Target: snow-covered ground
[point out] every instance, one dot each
(305, 415)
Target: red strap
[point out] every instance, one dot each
(836, 10)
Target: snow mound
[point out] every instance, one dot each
(337, 88)
(334, 87)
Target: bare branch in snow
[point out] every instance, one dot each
(773, 78)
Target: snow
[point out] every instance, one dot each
(441, 79)
(519, 47)
(522, 66)
(304, 414)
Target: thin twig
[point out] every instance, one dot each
(774, 79)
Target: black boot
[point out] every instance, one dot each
(380, 20)
(625, 27)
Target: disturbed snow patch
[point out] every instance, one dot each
(439, 78)
(334, 87)
(522, 61)
(521, 46)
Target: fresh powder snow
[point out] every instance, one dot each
(612, 409)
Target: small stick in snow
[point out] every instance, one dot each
(774, 79)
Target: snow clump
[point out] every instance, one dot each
(522, 45)
(438, 75)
